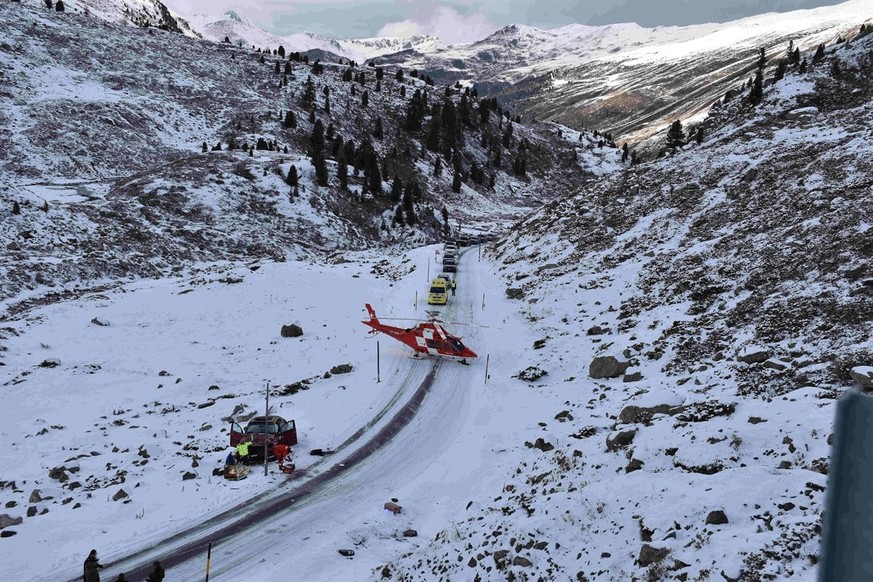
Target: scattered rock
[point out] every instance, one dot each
(500, 558)
(777, 365)
(634, 377)
(7, 533)
(292, 330)
(121, 494)
(716, 517)
(100, 322)
(651, 555)
(59, 473)
(639, 414)
(540, 444)
(206, 404)
(621, 440)
(50, 363)
(522, 561)
(633, 465)
(31, 511)
(341, 369)
(753, 355)
(393, 507)
(607, 367)
(563, 416)
(410, 533)
(188, 476)
(787, 506)
(756, 420)
(347, 553)
(34, 496)
(531, 374)
(7, 520)
(863, 375)
(514, 293)
(595, 330)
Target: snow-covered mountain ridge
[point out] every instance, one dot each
(627, 80)
(145, 282)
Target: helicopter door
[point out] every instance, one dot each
(236, 434)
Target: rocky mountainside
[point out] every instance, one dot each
(722, 295)
(623, 79)
(102, 155)
(239, 30)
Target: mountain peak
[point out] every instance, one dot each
(232, 15)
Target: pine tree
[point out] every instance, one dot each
(398, 76)
(378, 86)
(437, 167)
(342, 166)
(290, 119)
(396, 189)
(378, 131)
(365, 98)
(316, 151)
(456, 182)
(16, 207)
(380, 73)
(432, 141)
(408, 205)
(281, 51)
(757, 92)
(819, 53)
(59, 7)
(780, 70)
(698, 137)
(292, 179)
(48, 4)
(624, 153)
(308, 99)
(675, 135)
(205, 147)
(398, 216)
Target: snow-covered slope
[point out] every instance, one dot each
(695, 319)
(727, 288)
(624, 79)
(239, 30)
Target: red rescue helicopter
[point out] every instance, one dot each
(427, 337)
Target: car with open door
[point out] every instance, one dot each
(271, 429)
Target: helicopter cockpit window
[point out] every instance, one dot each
(457, 345)
(435, 344)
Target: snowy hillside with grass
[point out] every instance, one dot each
(661, 344)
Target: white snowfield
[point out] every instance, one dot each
(123, 405)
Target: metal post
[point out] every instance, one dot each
(483, 301)
(487, 360)
(428, 270)
(378, 378)
(846, 535)
(266, 414)
(208, 559)
(416, 300)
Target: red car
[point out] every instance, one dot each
(272, 429)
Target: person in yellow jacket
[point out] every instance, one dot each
(454, 285)
(242, 452)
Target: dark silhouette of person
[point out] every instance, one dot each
(92, 568)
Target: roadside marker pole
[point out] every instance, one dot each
(266, 414)
(416, 300)
(208, 559)
(483, 301)
(378, 377)
(487, 360)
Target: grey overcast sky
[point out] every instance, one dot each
(466, 21)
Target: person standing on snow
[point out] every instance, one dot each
(454, 284)
(242, 452)
(92, 568)
(157, 574)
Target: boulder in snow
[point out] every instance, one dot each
(753, 355)
(607, 367)
(292, 330)
(7, 520)
(863, 375)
